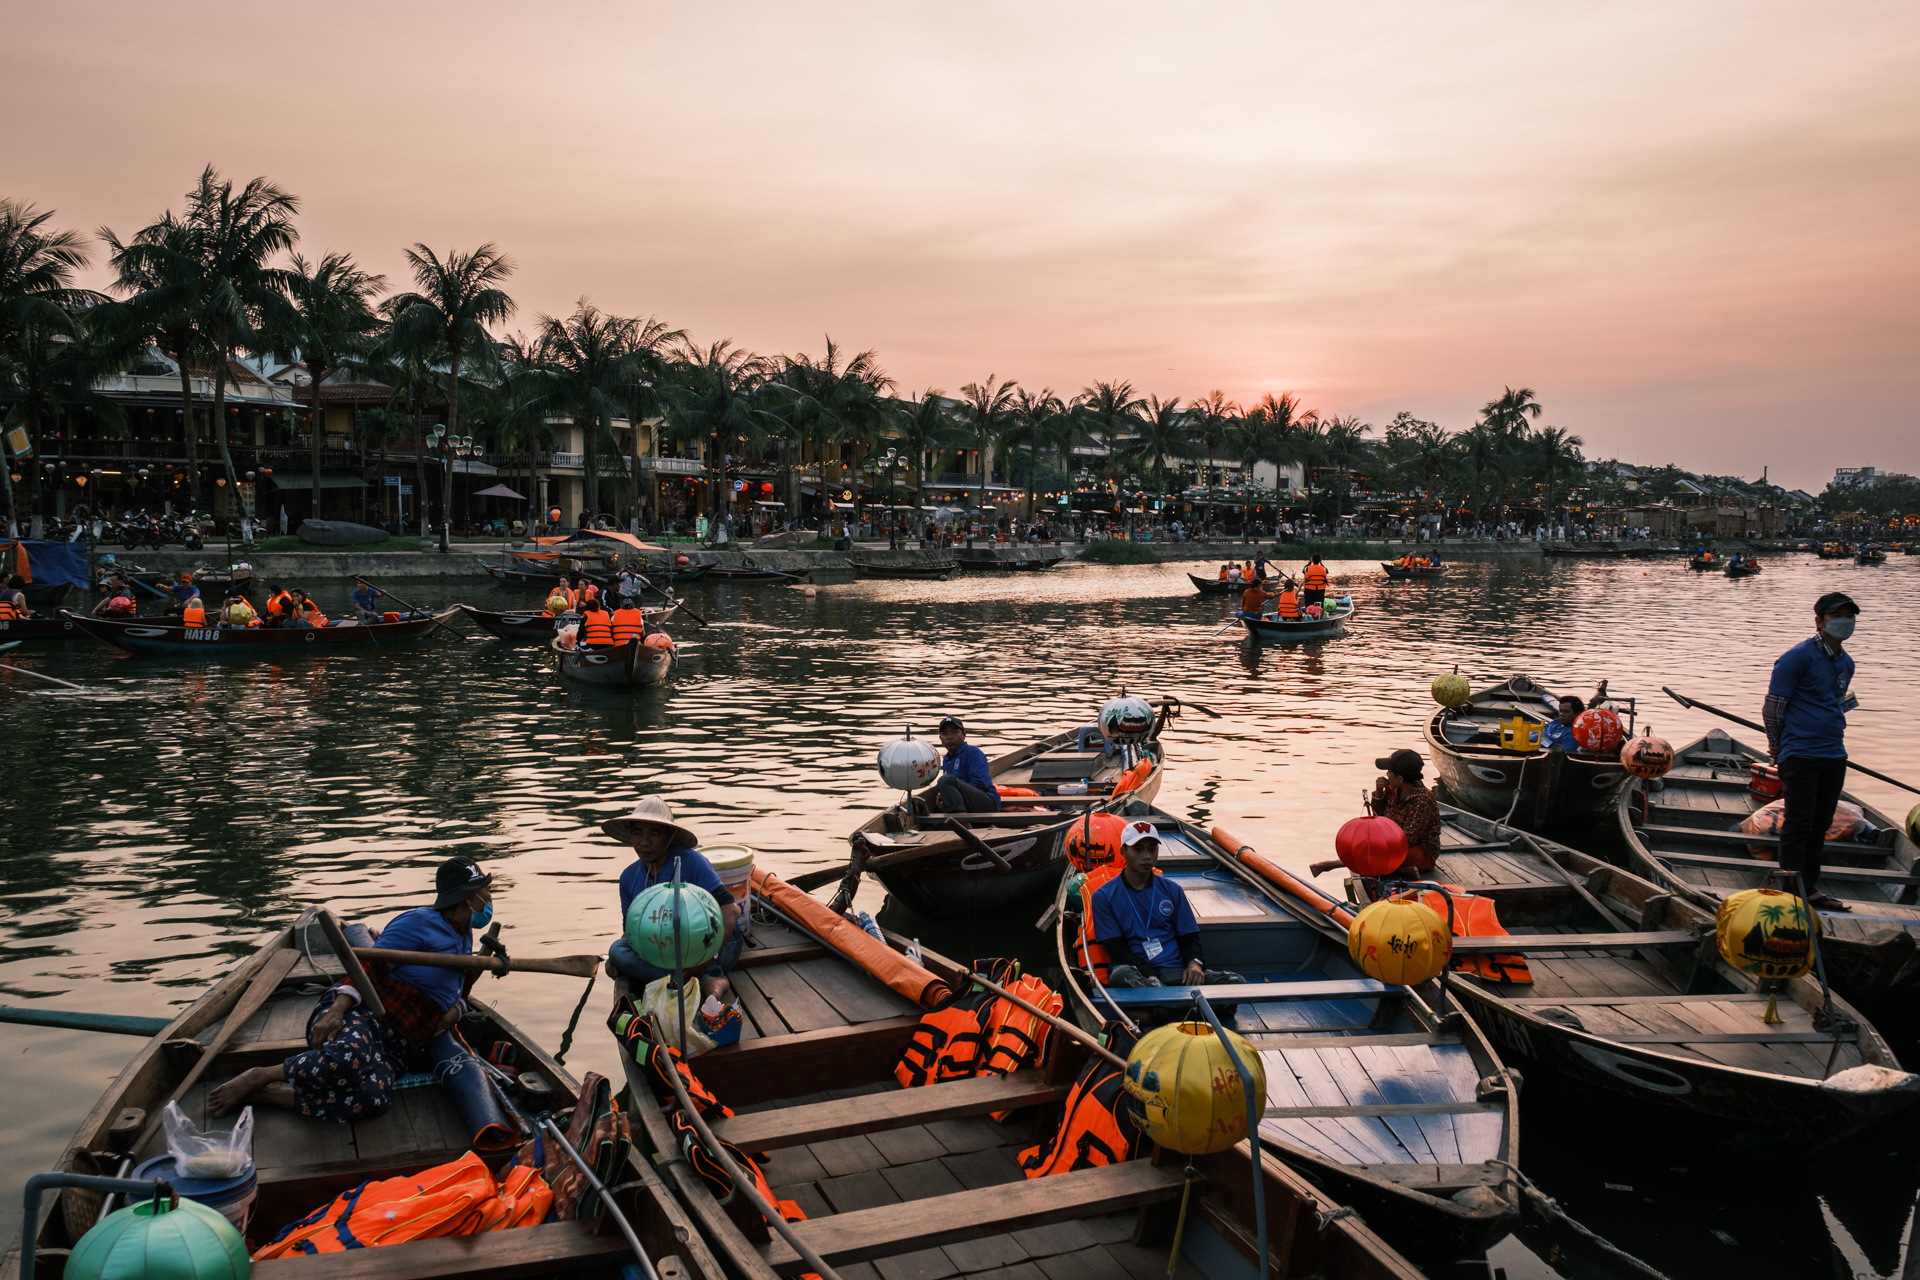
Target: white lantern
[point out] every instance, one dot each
(907, 764)
(1126, 719)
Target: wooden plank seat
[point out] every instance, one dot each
(865, 1234)
(1572, 942)
(794, 1126)
(1728, 997)
(1657, 831)
(1253, 992)
(1386, 1109)
(1757, 864)
(542, 1249)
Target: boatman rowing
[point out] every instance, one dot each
(660, 843)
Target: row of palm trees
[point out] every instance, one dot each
(223, 278)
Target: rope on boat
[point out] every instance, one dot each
(1550, 1208)
(566, 1041)
(1324, 1218)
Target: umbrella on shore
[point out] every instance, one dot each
(500, 491)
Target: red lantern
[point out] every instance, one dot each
(766, 488)
(1598, 730)
(1647, 756)
(683, 559)
(1371, 846)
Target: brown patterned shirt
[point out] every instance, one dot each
(1419, 817)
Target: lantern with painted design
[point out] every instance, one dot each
(1766, 933)
(1184, 1092)
(1400, 941)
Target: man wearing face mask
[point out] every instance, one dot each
(1806, 720)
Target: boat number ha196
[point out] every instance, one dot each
(202, 633)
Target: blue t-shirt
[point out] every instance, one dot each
(365, 598)
(1141, 918)
(1814, 682)
(424, 929)
(1559, 735)
(694, 870)
(968, 763)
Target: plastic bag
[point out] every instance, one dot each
(208, 1155)
(710, 1024)
(1848, 821)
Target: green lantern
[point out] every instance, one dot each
(650, 920)
(155, 1240)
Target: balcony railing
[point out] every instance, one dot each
(568, 460)
(674, 466)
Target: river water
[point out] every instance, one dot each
(160, 821)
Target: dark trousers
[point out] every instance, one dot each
(963, 797)
(1812, 791)
(1312, 596)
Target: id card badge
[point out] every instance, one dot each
(1152, 948)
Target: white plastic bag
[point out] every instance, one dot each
(208, 1155)
(710, 1023)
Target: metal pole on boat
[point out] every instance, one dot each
(1253, 1126)
(679, 963)
(30, 1221)
(606, 1198)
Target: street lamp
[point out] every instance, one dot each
(436, 443)
(893, 465)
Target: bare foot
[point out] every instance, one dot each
(611, 971)
(232, 1095)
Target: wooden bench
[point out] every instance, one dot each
(1253, 992)
(865, 1234)
(1757, 864)
(794, 1126)
(542, 1249)
(1572, 942)
(1653, 831)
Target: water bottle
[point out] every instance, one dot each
(866, 922)
(1073, 788)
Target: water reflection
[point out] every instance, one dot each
(175, 810)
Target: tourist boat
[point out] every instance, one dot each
(942, 865)
(1218, 587)
(1682, 833)
(925, 1181)
(1602, 549)
(1870, 555)
(1627, 993)
(633, 665)
(528, 575)
(939, 570)
(1401, 572)
(754, 573)
(690, 572)
(156, 635)
(530, 625)
(1388, 1097)
(1535, 790)
(1741, 569)
(1705, 562)
(257, 1014)
(60, 626)
(1024, 560)
(1835, 551)
(1268, 629)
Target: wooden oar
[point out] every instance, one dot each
(1690, 703)
(37, 676)
(75, 1020)
(438, 622)
(571, 966)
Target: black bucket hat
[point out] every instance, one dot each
(1834, 602)
(457, 880)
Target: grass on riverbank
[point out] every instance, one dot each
(1117, 551)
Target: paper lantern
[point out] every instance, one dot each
(1647, 756)
(1913, 823)
(907, 764)
(1598, 729)
(1450, 689)
(1766, 933)
(184, 1240)
(1184, 1092)
(1092, 841)
(1125, 718)
(650, 927)
(1400, 941)
(1371, 846)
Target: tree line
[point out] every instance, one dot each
(224, 278)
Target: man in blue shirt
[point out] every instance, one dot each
(966, 783)
(1146, 923)
(660, 843)
(1806, 719)
(366, 601)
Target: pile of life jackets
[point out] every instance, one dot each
(978, 1032)
(1096, 1126)
(1133, 778)
(456, 1199)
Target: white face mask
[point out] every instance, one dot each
(1840, 627)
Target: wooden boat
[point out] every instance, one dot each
(1834, 551)
(633, 665)
(922, 1182)
(691, 573)
(1605, 550)
(531, 625)
(1390, 1099)
(1681, 835)
(939, 570)
(754, 573)
(527, 576)
(1742, 569)
(1704, 563)
(1401, 572)
(1629, 995)
(1215, 587)
(1266, 630)
(1555, 788)
(59, 627)
(1026, 560)
(944, 865)
(257, 1014)
(155, 635)
(1870, 555)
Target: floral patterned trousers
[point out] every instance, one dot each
(351, 1076)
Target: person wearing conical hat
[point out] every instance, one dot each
(660, 843)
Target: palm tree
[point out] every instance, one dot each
(161, 274)
(1555, 453)
(330, 321)
(37, 303)
(716, 398)
(1505, 426)
(408, 361)
(646, 399)
(986, 413)
(1345, 447)
(1112, 409)
(236, 233)
(1163, 431)
(511, 396)
(455, 298)
(826, 402)
(1042, 416)
(1270, 432)
(1210, 421)
(925, 427)
(588, 371)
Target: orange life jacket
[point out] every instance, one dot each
(1223, 573)
(1475, 917)
(455, 1199)
(589, 593)
(311, 613)
(1132, 779)
(1095, 1127)
(279, 603)
(715, 1174)
(1315, 577)
(596, 628)
(628, 624)
(1016, 1036)
(1289, 606)
(950, 1043)
(194, 615)
(7, 610)
(639, 1038)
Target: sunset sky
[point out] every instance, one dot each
(1693, 229)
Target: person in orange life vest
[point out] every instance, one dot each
(237, 611)
(595, 626)
(629, 623)
(1399, 794)
(1223, 573)
(304, 613)
(193, 613)
(1288, 608)
(13, 599)
(660, 842)
(279, 606)
(353, 1058)
(1313, 582)
(1146, 923)
(1253, 601)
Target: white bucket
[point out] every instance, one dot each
(734, 862)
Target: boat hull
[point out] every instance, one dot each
(58, 627)
(926, 572)
(632, 665)
(1215, 587)
(537, 626)
(1536, 791)
(1264, 631)
(1401, 573)
(720, 574)
(156, 636)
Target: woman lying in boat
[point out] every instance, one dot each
(348, 1072)
(662, 844)
(1145, 922)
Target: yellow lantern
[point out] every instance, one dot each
(1913, 823)
(1400, 941)
(1450, 689)
(1766, 933)
(1520, 734)
(1184, 1092)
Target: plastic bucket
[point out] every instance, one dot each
(232, 1198)
(734, 862)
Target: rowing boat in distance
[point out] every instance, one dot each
(1683, 834)
(936, 570)
(534, 625)
(754, 573)
(633, 665)
(138, 635)
(1401, 572)
(519, 576)
(257, 1014)
(1624, 990)
(1387, 1096)
(61, 626)
(1221, 587)
(1269, 629)
(1535, 790)
(927, 1181)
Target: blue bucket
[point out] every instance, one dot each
(232, 1198)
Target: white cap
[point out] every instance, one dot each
(1138, 831)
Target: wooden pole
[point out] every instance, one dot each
(571, 966)
(351, 963)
